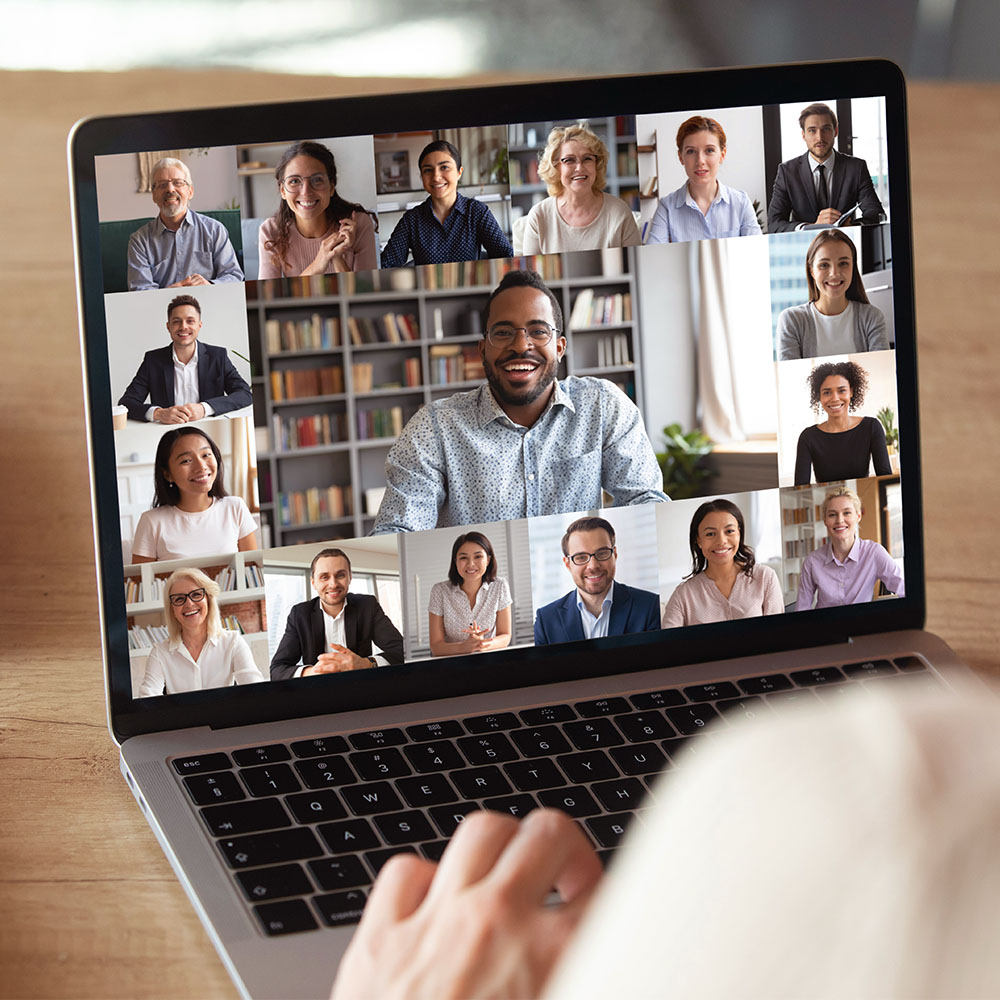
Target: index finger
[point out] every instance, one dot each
(549, 850)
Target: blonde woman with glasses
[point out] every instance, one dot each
(578, 214)
(198, 652)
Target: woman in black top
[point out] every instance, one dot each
(841, 446)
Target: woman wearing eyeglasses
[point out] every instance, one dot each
(446, 226)
(470, 611)
(703, 208)
(192, 514)
(578, 214)
(198, 652)
(725, 582)
(314, 230)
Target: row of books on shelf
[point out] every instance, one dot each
(454, 363)
(253, 577)
(302, 383)
(313, 505)
(799, 548)
(523, 173)
(385, 422)
(317, 286)
(455, 274)
(308, 432)
(389, 328)
(613, 351)
(315, 333)
(137, 592)
(600, 310)
(628, 162)
(802, 515)
(144, 636)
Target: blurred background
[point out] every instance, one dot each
(936, 39)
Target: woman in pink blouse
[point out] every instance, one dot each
(725, 583)
(314, 230)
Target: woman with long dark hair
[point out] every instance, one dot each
(192, 514)
(725, 581)
(470, 611)
(838, 318)
(314, 230)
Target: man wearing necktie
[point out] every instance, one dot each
(817, 188)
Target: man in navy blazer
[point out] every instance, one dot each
(187, 380)
(599, 605)
(818, 187)
(334, 631)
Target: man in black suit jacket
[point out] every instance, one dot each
(821, 185)
(209, 386)
(334, 632)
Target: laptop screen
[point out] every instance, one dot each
(438, 394)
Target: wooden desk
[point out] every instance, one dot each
(90, 906)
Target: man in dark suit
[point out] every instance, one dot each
(818, 187)
(334, 631)
(599, 605)
(187, 380)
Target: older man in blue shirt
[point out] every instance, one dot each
(524, 444)
(179, 248)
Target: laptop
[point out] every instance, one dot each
(486, 448)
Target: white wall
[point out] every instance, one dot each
(666, 337)
(137, 322)
(743, 167)
(213, 174)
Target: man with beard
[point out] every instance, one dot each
(524, 444)
(180, 247)
(600, 605)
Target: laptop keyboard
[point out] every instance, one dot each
(305, 827)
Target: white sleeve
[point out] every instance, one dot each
(146, 536)
(241, 662)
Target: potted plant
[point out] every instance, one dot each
(887, 418)
(683, 462)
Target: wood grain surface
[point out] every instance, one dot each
(90, 906)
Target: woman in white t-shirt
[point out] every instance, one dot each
(198, 652)
(470, 611)
(192, 514)
(838, 318)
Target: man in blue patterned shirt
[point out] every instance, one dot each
(524, 444)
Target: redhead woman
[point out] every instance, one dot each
(578, 214)
(725, 581)
(314, 230)
(703, 208)
(470, 611)
(198, 652)
(838, 318)
(192, 514)
(841, 446)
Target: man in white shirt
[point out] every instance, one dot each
(334, 632)
(818, 187)
(188, 380)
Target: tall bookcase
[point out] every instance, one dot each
(444, 303)
(617, 133)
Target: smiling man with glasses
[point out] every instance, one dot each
(180, 247)
(599, 605)
(526, 443)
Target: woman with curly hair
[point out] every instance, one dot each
(725, 582)
(703, 208)
(841, 446)
(578, 214)
(838, 318)
(314, 230)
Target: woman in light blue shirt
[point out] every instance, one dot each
(704, 208)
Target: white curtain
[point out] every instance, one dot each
(718, 326)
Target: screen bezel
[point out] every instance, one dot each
(426, 680)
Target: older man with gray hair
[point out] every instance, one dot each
(179, 248)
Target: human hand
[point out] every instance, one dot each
(477, 924)
(191, 279)
(828, 217)
(345, 236)
(339, 660)
(181, 414)
(476, 641)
